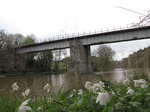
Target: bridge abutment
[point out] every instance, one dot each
(80, 62)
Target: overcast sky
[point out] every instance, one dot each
(51, 18)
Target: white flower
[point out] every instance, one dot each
(47, 87)
(15, 86)
(141, 82)
(126, 82)
(40, 109)
(74, 90)
(102, 84)
(138, 82)
(144, 85)
(103, 98)
(49, 99)
(130, 91)
(80, 91)
(113, 92)
(26, 93)
(96, 87)
(23, 107)
(88, 85)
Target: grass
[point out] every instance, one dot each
(141, 73)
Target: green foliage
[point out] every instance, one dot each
(8, 104)
(29, 59)
(71, 101)
(30, 39)
(44, 60)
(103, 59)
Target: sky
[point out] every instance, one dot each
(52, 18)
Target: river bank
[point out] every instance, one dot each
(15, 72)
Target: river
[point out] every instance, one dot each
(36, 82)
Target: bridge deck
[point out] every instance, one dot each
(92, 39)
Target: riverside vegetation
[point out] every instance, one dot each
(103, 96)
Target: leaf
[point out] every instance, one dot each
(70, 96)
(135, 104)
(118, 105)
(71, 106)
(80, 102)
(148, 94)
(105, 109)
(108, 109)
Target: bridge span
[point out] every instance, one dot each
(80, 45)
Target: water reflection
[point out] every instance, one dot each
(64, 81)
(118, 75)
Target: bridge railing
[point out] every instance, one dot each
(78, 34)
(106, 30)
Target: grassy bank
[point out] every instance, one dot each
(119, 100)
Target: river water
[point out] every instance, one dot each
(36, 82)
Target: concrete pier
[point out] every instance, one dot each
(80, 58)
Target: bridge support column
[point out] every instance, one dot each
(80, 58)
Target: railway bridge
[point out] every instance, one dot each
(80, 45)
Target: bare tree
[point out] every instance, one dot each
(144, 20)
(2, 38)
(18, 39)
(7, 52)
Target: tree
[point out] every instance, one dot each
(139, 59)
(18, 39)
(29, 58)
(30, 39)
(2, 42)
(103, 59)
(57, 56)
(2, 39)
(144, 20)
(7, 52)
(43, 60)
